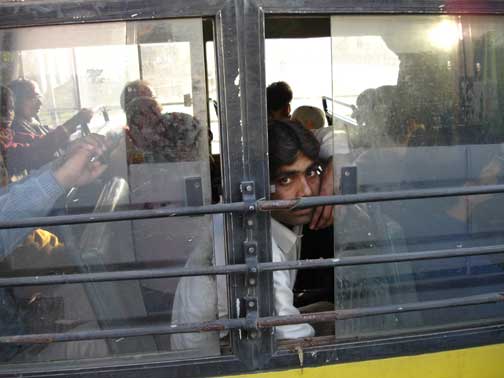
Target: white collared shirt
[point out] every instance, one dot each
(201, 298)
(286, 245)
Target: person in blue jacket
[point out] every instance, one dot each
(35, 196)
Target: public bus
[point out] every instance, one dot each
(162, 267)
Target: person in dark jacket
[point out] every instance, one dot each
(28, 144)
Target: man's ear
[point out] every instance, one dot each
(288, 110)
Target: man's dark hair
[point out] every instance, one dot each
(22, 89)
(279, 95)
(286, 140)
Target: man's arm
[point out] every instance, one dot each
(32, 197)
(36, 195)
(332, 142)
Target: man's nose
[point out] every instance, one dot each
(305, 189)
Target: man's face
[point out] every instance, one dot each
(31, 103)
(299, 179)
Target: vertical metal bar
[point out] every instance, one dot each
(242, 102)
(254, 115)
(76, 80)
(140, 66)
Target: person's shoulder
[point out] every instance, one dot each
(181, 120)
(187, 129)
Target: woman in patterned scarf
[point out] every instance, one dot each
(157, 137)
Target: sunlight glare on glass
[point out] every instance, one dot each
(445, 34)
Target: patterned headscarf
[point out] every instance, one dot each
(168, 137)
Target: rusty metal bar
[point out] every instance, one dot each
(162, 329)
(261, 205)
(125, 275)
(320, 317)
(350, 199)
(383, 258)
(242, 323)
(165, 212)
(242, 268)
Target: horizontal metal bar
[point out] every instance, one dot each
(242, 268)
(261, 205)
(264, 322)
(33, 13)
(320, 317)
(380, 259)
(349, 199)
(339, 102)
(162, 329)
(165, 212)
(124, 275)
(329, 7)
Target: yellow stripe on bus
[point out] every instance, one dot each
(481, 362)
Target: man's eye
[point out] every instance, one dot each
(285, 180)
(311, 173)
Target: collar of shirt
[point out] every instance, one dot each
(287, 238)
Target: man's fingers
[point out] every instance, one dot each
(322, 217)
(327, 218)
(315, 217)
(94, 142)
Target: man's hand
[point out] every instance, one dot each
(84, 116)
(96, 140)
(323, 216)
(81, 166)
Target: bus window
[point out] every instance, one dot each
(427, 118)
(112, 117)
(413, 104)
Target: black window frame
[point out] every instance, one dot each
(239, 39)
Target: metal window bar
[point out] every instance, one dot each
(260, 322)
(242, 268)
(260, 205)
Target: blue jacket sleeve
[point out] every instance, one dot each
(33, 197)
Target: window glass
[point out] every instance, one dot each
(213, 105)
(425, 94)
(287, 57)
(101, 72)
(400, 103)
(111, 117)
(53, 69)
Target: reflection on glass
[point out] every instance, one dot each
(428, 118)
(115, 118)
